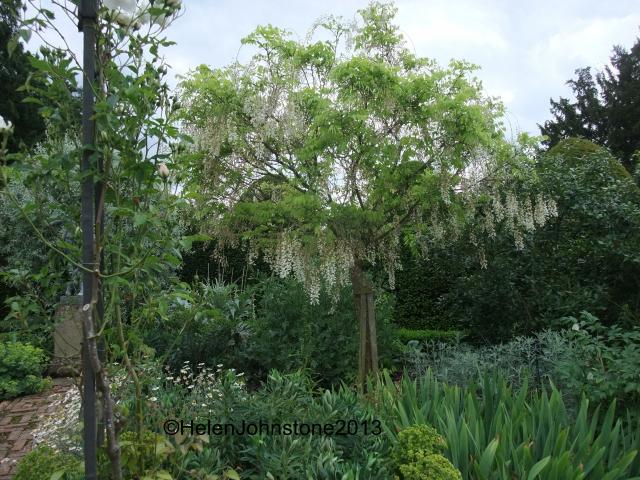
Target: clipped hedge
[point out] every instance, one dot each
(445, 336)
(422, 291)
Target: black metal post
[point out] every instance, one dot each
(87, 21)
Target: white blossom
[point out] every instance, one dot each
(5, 124)
(526, 215)
(122, 11)
(142, 13)
(125, 5)
(163, 170)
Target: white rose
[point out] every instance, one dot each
(123, 18)
(143, 11)
(5, 125)
(163, 170)
(122, 10)
(126, 5)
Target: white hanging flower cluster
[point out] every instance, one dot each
(274, 115)
(390, 255)
(330, 266)
(210, 137)
(519, 216)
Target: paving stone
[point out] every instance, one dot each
(19, 444)
(18, 420)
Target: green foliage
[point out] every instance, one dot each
(415, 439)
(603, 362)
(138, 211)
(537, 359)
(428, 466)
(584, 359)
(605, 110)
(585, 260)
(220, 396)
(29, 126)
(406, 335)
(493, 432)
(271, 325)
(289, 334)
(33, 275)
(21, 367)
(207, 324)
(47, 464)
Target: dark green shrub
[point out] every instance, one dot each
(406, 335)
(423, 300)
(603, 361)
(210, 328)
(43, 462)
(585, 259)
(21, 367)
(288, 333)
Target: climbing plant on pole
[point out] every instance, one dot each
(129, 227)
(326, 154)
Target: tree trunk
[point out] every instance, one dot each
(365, 314)
(91, 346)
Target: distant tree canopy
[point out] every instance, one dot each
(15, 69)
(606, 109)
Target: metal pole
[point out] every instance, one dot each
(88, 14)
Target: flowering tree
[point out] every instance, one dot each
(326, 155)
(136, 232)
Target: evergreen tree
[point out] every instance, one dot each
(606, 109)
(15, 68)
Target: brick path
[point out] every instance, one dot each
(18, 420)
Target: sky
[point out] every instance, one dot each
(526, 50)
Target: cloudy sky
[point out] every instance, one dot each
(526, 50)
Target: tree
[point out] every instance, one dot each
(15, 69)
(327, 155)
(606, 109)
(135, 219)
